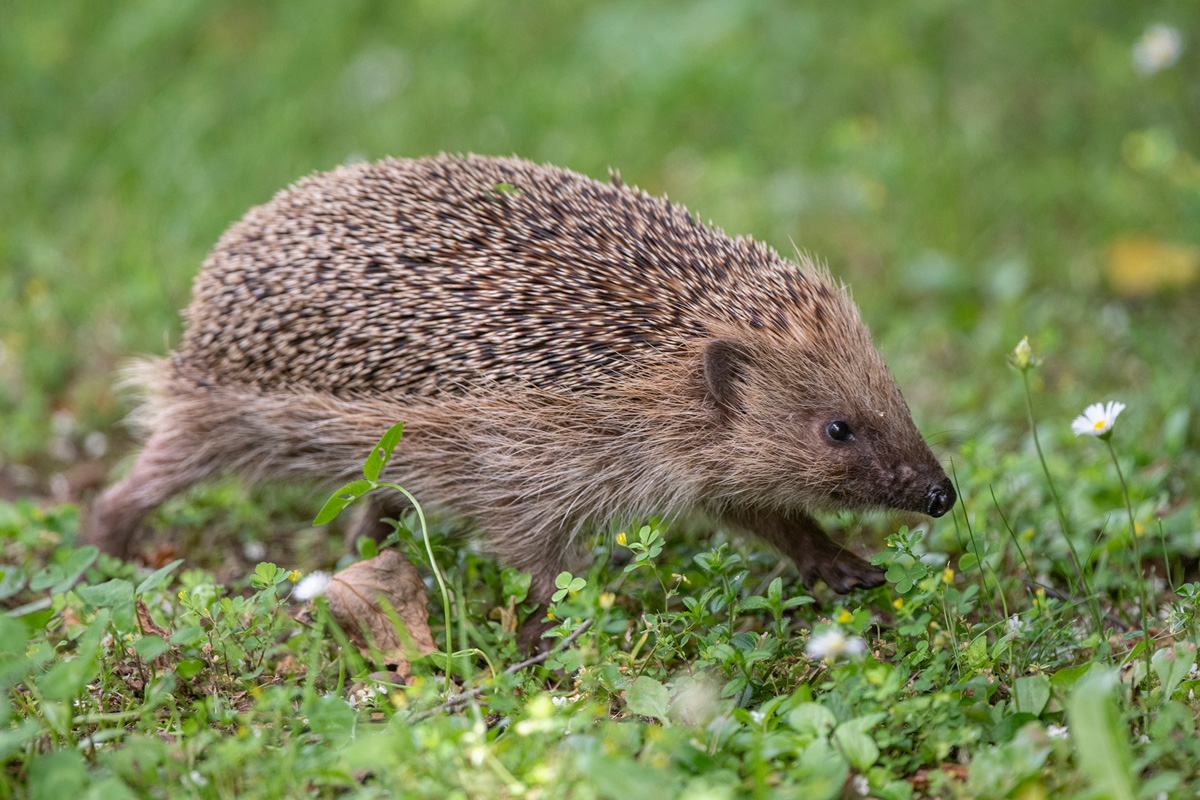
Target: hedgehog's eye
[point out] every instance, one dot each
(839, 431)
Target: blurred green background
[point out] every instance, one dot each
(977, 171)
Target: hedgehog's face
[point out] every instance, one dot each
(819, 427)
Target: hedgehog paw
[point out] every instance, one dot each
(843, 572)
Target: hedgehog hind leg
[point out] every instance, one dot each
(162, 470)
(371, 521)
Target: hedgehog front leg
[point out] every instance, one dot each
(540, 550)
(800, 538)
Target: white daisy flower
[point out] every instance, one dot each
(831, 643)
(1159, 48)
(1097, 419)
(312, 585)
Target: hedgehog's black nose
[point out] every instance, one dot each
(940, 498)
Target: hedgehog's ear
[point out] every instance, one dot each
(725, 363)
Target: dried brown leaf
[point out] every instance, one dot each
(359, 597)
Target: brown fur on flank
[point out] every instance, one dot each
(563, 353)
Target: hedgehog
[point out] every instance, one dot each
(565, 354)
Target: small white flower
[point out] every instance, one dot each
(197, 778)
(1159, 48)
(363, 696)
(862, 785)
(254, 551)
(1097, 419)
(1016, 624)
(95, 444)
(757, 716)
(62, 423)
(832, 643)
(312, 585)
(1056, 731)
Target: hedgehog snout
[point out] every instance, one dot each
(940, 498)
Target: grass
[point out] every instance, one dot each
(977, 173)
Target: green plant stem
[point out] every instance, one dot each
(1137, 555)
(437, 574)
(1058, 507)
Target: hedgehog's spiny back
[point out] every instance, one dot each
(428, 276)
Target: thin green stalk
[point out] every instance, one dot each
(1011, 534)
(1137, 555)
(1058, 507)
(437, 574)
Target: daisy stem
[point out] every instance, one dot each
(1137, 551)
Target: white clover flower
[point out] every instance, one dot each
(832, 643)
(1159, 48)
(1097, 419)
(365, 695)
(1056, 731)
(312, 585)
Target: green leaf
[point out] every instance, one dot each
(515, 584)
(968, 562)
(66, 679)
(1032, 693)
(812, 719)
(857, 746)
(342, 498)
(264, 575)
(187, 635)
(977, 652)
(189, 667)
(1100, 735)
(775, 592)
(381, 454)
(1066, 678)
(107, 594)
(12, 580)
(13, 638)
(822, 771)
(647, 697)
(12, 739)
(753, 603)
(57, 775)
(150, 647)
(331, 718)
(856, 743)
(79, 560)
(1171, 665)
(157, 578)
